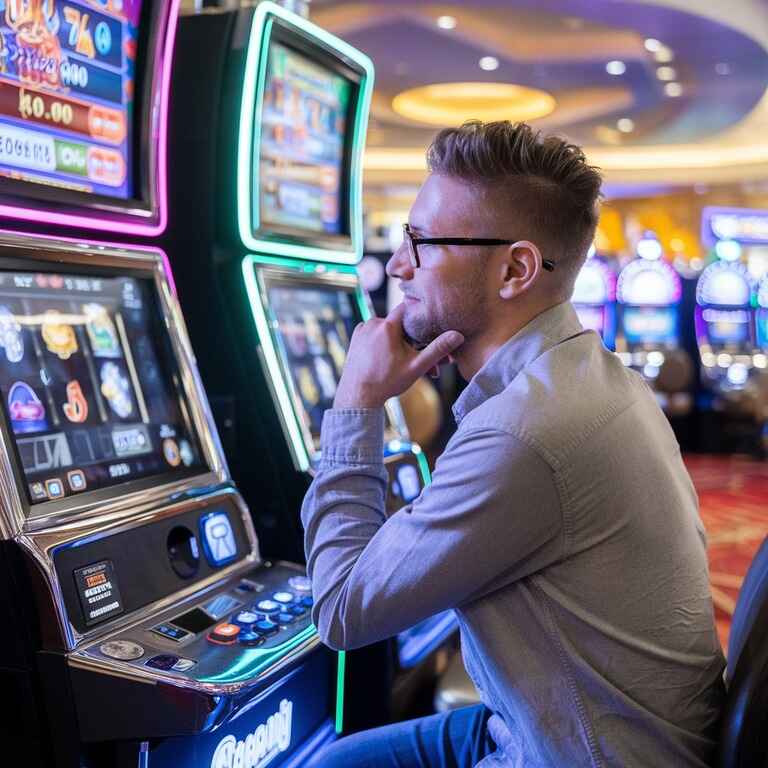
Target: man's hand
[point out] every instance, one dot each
(382, 364)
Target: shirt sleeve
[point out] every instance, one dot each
(491, 516)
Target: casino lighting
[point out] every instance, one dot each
(708, 360)
(616, 67)
(738, 374)
(673, 90)
(728, 250)
(650, 371)
(666, 73)
(625, 125)
(652, 44)
(649, 248)
(655, 358)
(760, 360)
(724, 360)
(664, 55)
(446, 22)
(452, 103)
(488, 63)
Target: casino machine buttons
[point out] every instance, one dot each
(183, 665)
(245, 618)
(170, 632)
(124, 650)
(250, 639)
(283, 597)
(285, 618)
(268, 606)
(297, 610)
(265, 628)
(164, 661)
(300, 583)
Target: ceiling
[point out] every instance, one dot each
(684, 100)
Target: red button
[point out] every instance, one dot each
(224, 633)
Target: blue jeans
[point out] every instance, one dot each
(455, 739)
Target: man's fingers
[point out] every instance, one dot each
(396, 314)
(433, 354)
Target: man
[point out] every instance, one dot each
(561, 524)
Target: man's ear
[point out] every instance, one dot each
(520, 268)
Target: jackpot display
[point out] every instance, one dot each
(67, 82)
(303, 128)
(89, 388)
(313, 327)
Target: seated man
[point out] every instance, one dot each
(561, 524)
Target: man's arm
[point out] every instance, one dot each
(491, 516)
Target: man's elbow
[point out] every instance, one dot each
(334, 631)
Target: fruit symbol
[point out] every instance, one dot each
(36, 24)
(10, 335)
(59, 337)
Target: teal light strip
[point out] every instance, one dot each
(277, 380)
(249, 136)
(426, 475)
(253, 661)
(340, 670)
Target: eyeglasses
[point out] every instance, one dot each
(414, 243)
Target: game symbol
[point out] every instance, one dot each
(117, 390)
(26, 411)
(326, 377)
(307, 387)
(59, 337)
(171, 452)
(36, 23)
(219, 542)
(10, 335)
(101, 331)
(314, 334)
(76, 407)
(337, 352)
(296, 337)
(186, 453)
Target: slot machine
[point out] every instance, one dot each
(648, 294)
(275, 110)
(594, 298)
(147, 628)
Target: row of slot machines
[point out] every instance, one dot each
(701, 343)
(165, 179)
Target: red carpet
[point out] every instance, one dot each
(733, 497)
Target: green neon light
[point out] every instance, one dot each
(426, 475)
(340, 691)
(253, 661)
(278, 383)
(249, 135)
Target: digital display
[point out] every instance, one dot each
(194, 621)
(303, 129)
(313, 325)
(98, 592)
(89, 386)
(67, 81)
(650, 325)
(762, 329)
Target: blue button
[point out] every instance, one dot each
(297, 610)
(307, 600)
(245, 618)
(285, 618)
(283, 597)
(300, 583)
(250, 639)
(268, 606)
(170, 632)
(163, 661)
(265, 627)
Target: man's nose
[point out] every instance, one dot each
(399, 264)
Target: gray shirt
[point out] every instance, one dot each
(563, 528)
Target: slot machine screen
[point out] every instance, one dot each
(68, 90)
(650, 325)
(762, 329)
(90, 389)
(725, 331)
(306, 118)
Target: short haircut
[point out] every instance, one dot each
(550, 187)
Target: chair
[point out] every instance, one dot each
(744, 734)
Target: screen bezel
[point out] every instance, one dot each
(258, 272)
(273, 23)
(143, 212)
(32, 254)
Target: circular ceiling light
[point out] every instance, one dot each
(615, 67)
(664, 55)
(625, 125)
(453, 103)
(488, 63)
(673, 90)
(652, 44)
(666, 73)
(446, 22)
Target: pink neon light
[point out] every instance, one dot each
(92, 221)
(95, 244)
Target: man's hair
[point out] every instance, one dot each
(552, 191)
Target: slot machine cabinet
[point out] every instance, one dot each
(594, 298)
(255, 223)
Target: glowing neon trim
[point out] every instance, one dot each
(250, 136)
(340, 669)
(159, 216)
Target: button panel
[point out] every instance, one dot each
(170, 632)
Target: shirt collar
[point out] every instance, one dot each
(542, 333)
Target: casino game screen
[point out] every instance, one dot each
(88, 382)
(67, 82)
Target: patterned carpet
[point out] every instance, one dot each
(733, 497)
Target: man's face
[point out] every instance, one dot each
(451, 289)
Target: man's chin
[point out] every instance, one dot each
(419, 335)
